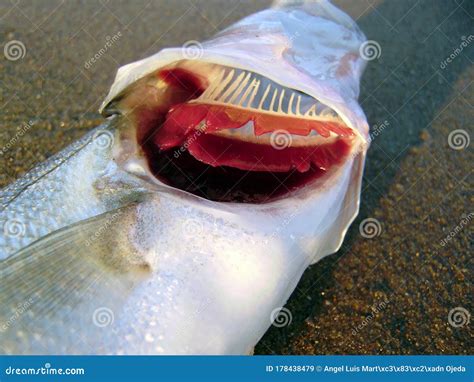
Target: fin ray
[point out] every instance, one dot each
(64, 278)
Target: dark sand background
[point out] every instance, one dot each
(400, 286)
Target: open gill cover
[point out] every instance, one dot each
(310, 46)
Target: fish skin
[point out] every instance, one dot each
(112, 262)
(67, 188)
(212, 277)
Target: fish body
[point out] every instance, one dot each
(98, 256)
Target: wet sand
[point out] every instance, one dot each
(390, 294)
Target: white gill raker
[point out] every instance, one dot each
(273, 100)
(241, 87)
(256, 86)
(280, 102)
(252, 86)
(213, 85)
(231, 88)
(298, 106)
(221, 84)
(267, 90)
(311, 112)
(290, 104)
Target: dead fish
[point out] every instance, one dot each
(183, 223)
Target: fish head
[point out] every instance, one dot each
(224, 171)
(259, 124)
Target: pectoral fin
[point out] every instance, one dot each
(65, 292)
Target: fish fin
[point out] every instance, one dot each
(63, 293)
